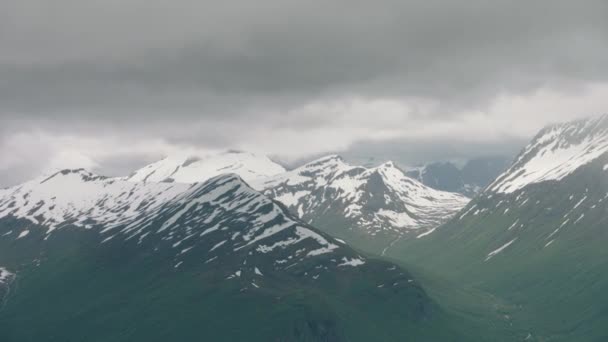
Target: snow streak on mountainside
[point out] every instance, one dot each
(556, 152)
(188, 169)
(5, 275)
(375, 201)
(220, 217)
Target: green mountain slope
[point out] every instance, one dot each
(537, 237)
(206, 262)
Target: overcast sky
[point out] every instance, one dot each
(113, 84)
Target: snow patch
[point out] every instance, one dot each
(217, 245)
(500, 249)
(354, 262)
(426, 233)
(5, 275)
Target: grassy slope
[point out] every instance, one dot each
(83, 292)
(559, 292)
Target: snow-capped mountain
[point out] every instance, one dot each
(220, 214)
(559, 182)
(556, 152)
(87, 256)
(192, 169)
(368, 207)
(538, 230)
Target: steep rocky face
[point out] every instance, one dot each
(368, 207)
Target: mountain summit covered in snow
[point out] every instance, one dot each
(556, 152)
(368, 207)
(192, 169)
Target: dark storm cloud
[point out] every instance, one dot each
(223, 56)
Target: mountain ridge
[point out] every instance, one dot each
(191, 169)
(556, 151)
(361, 204)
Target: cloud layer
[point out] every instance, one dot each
(115, 83)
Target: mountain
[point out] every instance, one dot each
(537, 236)
(191, 169)
(89, 258)
(369, 208)
(468, 180)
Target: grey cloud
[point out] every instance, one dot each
(292, 52)
(226, 74)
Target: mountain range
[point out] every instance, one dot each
(157, 261)
(234, 247)
(370, 208)
(86, 257)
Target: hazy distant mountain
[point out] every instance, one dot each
(370, 208)
(537, 236)
(468, 180)
(89, 258)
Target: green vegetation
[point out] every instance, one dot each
(552, 276)
(72, 288)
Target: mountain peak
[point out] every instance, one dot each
(192, 169)
(329, 159)
(556, 152)
(380, 203)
